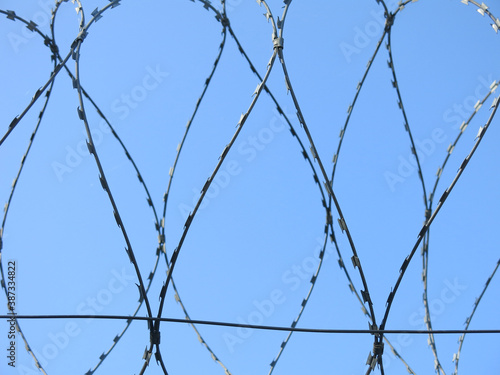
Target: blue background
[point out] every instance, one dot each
(253, 246)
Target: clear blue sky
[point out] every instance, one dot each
(253, 246)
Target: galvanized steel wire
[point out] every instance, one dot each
(322, 177)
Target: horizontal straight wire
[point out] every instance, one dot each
(253, 326)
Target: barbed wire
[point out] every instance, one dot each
(312, 158)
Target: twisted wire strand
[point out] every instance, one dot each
(225, 151)
(427, 316)
(2, 228)
(482, 10)
(451, 147)
(343, 130)
(193, 115)
(360, 84)
(225, 22)
(38, 93)
(390, 18)
(154, 335)
(425, 227)
(329, 223)
(395, 84)
(209, 180)
(335, 161)
(302, 306)
(159, 227)
(76, 47)
(221, 17)
(356, 261)
(456, 356)
(5, 214)
(407, 126)
(32, 26)
(316, 179)
(389, 21)
(305, 155)
(156, 223)
(425, 245)
(327, 184)
(150, 278)
(463, 127)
